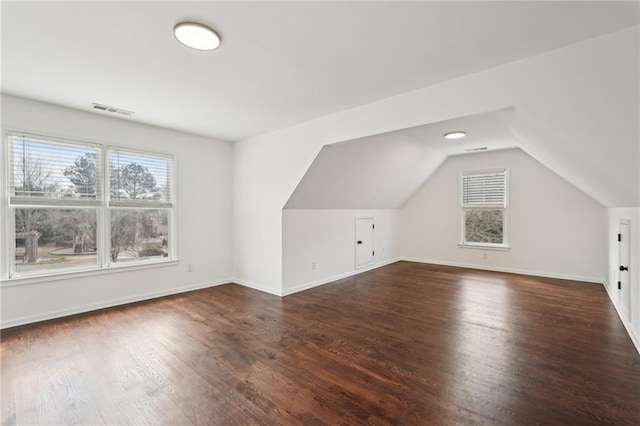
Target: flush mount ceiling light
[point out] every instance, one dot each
(196, 36)
(455, 135)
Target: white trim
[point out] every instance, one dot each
(307, 286)
(489, 171)
(80, 273)
(480, 246)
(320, 282)
(101, 205)
(496, 171)
(108, 304)
(27, 201)
(7, 245)
(507, 270)
(173, 217)
(255, 286)
(503, 207)
(627, 325)
(171, 206)
(363, 266)
(623, 310)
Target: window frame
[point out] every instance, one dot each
(13, 274)
(462, 242)
(119, 205)
(9, 205)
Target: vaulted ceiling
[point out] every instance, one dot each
(286, 64)
(280, 63)
(383, 171)
(574, 109)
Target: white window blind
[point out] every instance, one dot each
(139, 179)
(486, 189)
(46, 171)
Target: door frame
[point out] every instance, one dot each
(355, 241)
(624, 239)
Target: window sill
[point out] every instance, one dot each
(478, 246)
(38, 279)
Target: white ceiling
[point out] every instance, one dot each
(485, 130)
(280, 63)
(385, 170)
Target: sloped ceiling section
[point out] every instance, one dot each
(378, 172)
(576, 110)
(385, 170)
(608, 175)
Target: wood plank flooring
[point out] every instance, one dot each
(407, 344)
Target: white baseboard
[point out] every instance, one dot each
(625, 322)
(327, 280)
(307, 286)
(107, 304)
(255, 286)
(507, 270)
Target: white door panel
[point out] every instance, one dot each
(623, 268)
(364, 241)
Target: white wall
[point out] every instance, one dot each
(380, 171)
(554, 228)
(203, 215)
(327, 238)
(614, 216)
(578, 97)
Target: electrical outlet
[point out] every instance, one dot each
(189, 268)
(313, 265)
(484, 255)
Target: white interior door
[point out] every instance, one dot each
(624, 287)
(364, 241)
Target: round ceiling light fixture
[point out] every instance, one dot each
(196, 36)
(455, 135)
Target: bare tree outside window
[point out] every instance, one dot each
(33, 177)
(484, 226)
(483, 203)
(140, 232)
(60, 194)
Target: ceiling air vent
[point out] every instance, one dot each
(482, 148)
(113, 110)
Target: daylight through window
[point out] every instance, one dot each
(483, 201)
(77, 205)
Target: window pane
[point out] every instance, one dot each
(138, 234)
(139, 177)
(54, 239)
(45, 170)
(484, 226)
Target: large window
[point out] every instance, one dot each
(140, 203)
(483, 203)
(77, 205)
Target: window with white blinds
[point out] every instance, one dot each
(139, 179)
(140, 202)
(484, 189)
(49, 171)
(483, 215)
(76, 205)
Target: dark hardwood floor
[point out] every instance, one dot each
(404, 344)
